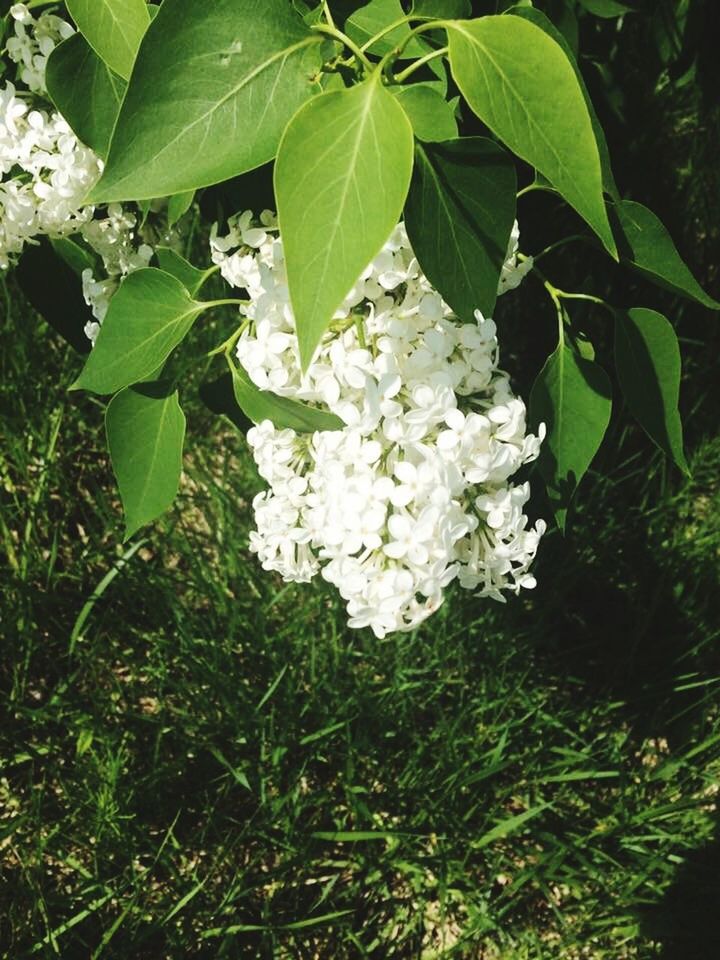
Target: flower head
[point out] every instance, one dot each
(414, 491)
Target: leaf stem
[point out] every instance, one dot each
(396, 52)
(404, 74)
(557, 296)
(227, 345)
(408, 18)
(532, 187)
(559, 244)
(209, 304)
(385, 30)
(587, 296)
(360, 332)
(341, 37)
(328, 14)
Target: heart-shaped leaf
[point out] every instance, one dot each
(431, 116)
(147, 318)
(376, 16)
(177, 266)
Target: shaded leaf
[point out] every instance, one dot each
(85, 91)
(645, 243)
(375, 16)
(113, 28)
(261, 405)
(177, 266)
(147, 318)
(218, 395)
(211, 93)
(459, 214)
(647, 358)
(572, 396)
(442, 9)
(606, 8)
(431, 116)
(351, 151)
(178, 206)
(145, 431)
(58, 299)
(519, 82)
(77, 256)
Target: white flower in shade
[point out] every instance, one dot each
(46, 173)
(32, 42)
(413, 492)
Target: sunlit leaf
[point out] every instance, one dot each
(212, 90)
(113, 28)
(147, 318)
(520, 82)
(261, 405)
(341, 178)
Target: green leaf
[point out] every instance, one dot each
(646, 244)
(572, 396)
(85, 91)
(218, 395)
(147, 318)
(211, 93)
(341, 178)
(178, 206)
(431, 116)
(113, 28)
(605, 8)
(145, 432)
(177, 266)
(442, 9)
(77, 256)
(520, 83)
(58, 296)
(539, 19)
(375, 16)
(261, 405)
(647, 358)
(459, 214)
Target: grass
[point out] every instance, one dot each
(200, 761)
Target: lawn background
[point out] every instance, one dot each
(199, 761)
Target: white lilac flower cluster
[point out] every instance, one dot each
(414, 491)
(115, 238)
(45, 171)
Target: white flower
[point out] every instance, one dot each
(413, 492)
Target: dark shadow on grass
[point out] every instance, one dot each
(686, 921)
